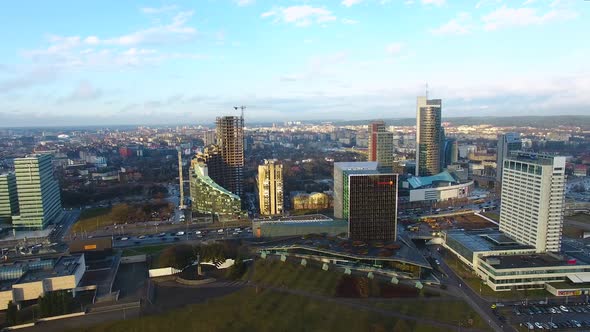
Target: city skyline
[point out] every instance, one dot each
(158, 62)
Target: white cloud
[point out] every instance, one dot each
(437, 3)
(506, 17)
(482, 3)
(459, 25)
(349, 3)
(394, 48)
(83, 91)
(242, 3)
(301, 16)
(528, 2)
(37, 76)
(158, 10)
(349, 21)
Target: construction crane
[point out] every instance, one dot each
(242, 108)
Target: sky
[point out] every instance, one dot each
(184, 62)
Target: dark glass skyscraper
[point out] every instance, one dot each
(428, 136)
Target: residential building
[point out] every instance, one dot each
(428, 136)
(209, 137)
(270, 187)
(38, 192)
(230, 139)
(8, 197)
(533, 199)
(380, 144)
(506, 143)
(209, 197)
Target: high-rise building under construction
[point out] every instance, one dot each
(230, 140)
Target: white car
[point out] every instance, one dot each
(181, 233)
(538, 325)
(563, 308)
(141, 237)
(124, 238)
(198, 233)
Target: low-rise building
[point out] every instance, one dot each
(436, 188)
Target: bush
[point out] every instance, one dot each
(11, 314)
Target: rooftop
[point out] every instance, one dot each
(533, 158)
(485, 240)
(530, 261)
(296, 219)
(357, 165)
(426, 181)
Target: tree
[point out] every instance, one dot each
(11, 314)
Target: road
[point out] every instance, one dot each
(479, 304)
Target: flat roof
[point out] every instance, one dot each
(530, 261)
(485, 240)
(360, 165)
(308, 217)
(65, 265)
(402, 250)
(567, 285)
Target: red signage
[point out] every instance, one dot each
(385, 183)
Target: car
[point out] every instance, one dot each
(197, 232)
(538, 325)
(176, 239)
(161, 234)
(437, 262)
(220, 231)
(576, 323)
(563, 308)
(530, 326)
(181, 233)
(124, 238)
(552, 325)
(577, 309)
(516, 311)
(141, 237)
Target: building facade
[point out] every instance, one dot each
(506, 143)
(8, 197)
(380, 145)
(533, 199)
(428, 136)
(270, 187)
(341, 172)
(372, 206)
(230, 139)
(38, 192)
(207, 196)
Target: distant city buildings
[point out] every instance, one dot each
(506, 143)
(367, 198)
(270, 188)
(230, 139)
(380, 144)
(428, 136)
(533, 191)
(38, 192)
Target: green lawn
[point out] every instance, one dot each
(92, 219)
(264, 311)
(294, 276)
(448, 311)
(476, 284)
(147, 250)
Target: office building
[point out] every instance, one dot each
(207, 196)
(230, 139)
(533, 199)
(428, 136)
(380, 145)
(270, 188)
(38, 192)
(209, 137)
(506, 143)
(8, 197)
(444, 186)
(366, 197)
(449, 153)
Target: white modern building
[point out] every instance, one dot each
(533, 191)
(437, 188)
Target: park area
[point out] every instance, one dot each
(98, 218)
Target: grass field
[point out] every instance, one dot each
(92, 219)
(449, 311)
(264, 311)
(277, 273)
(147, 250)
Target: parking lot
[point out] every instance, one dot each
(573, 316)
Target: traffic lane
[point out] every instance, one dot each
(170, 239)
(483, 305)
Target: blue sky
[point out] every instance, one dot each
(151, 62)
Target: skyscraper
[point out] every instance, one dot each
(449, 153)
(506, 143)
(380, 144)
(428, 136)
(533, 199)
(38, 191)
(8, 197)
(207, 196)
(270, 187)
(366, 196)
(230, 139)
